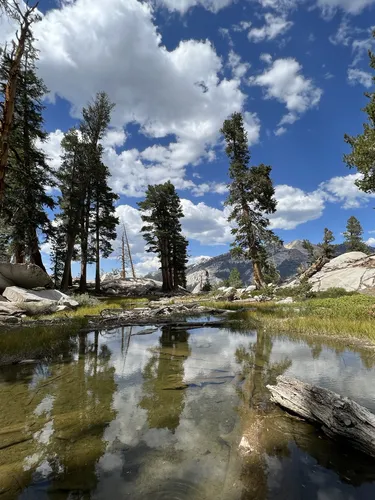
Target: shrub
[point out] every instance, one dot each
(84, 299)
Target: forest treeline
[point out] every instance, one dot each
(80, 222)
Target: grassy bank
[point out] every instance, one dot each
(350, 315)
(94, 307)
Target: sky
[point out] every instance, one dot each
(176, 69)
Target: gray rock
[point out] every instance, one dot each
(251, 288)
(9, 309)
(17, 294)
(131, 287)
(23, 275)
(353, 271)
(41, 307)
(287, 300)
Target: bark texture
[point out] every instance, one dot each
(339, 417)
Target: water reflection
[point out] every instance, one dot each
(163, 376)
(132, 414)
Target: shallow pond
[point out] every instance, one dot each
(158, 413)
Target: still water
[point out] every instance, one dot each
(158, 413)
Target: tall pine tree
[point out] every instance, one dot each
(161, 212)
(251, 198)
(72, 183)
(95, 122)
(353, 236)
(26, 199)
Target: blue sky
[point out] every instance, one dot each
(176, 69)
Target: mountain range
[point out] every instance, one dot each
(287, 259)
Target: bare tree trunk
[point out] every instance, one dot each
(129, 253)
(67, 267)
(19, 253)
(258, 275)
(97, 251)
(84, 243)
(6, 120)
(35, 255)
(123, 260)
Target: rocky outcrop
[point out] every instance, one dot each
(24, 275)
(138, 287)
(353, 271)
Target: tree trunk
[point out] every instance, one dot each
(9, 98)
(35, 255)
(339, 417)
(68, 261)
(70, 275)
(84, 243)
(314, 268)
(123, 259)
(97, 251)
(19, 253)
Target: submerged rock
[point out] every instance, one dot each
(24, 275)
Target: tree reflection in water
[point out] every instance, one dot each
(164, 385)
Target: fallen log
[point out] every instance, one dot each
(339, 417)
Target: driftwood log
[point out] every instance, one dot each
(339, 417)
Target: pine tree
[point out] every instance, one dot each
(103, 226)
(308, 246)
(362, 156)
(71, 180)
(326, 245)
(270, 272)
(251, 197)
(26, 199)
(234, 279)
(25, 16)
(353, 236)
(58, 254)
(95, 122)
(161, 212)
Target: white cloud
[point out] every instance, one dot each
(267, 58)
(206, 224)
(280, 131)
(279, 5)
(329, 7)
(328, 76)
(210, 187)
(239, 68)
(242, 26)
(275, 26)
(370, 242)
(283, 81)
(343, 190)
(175, 93)
(252, 127)
(183, 6)
(343, 34)
(295, 207)
(356, 76)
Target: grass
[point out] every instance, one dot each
(96, 308)
(349, 315)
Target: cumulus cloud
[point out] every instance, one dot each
(177, 94)
(183, 6)
(357, 76)
(295, 207)
(343, 190)
(371, 242)
(284, 82)
(280, 131)
(273, 27)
